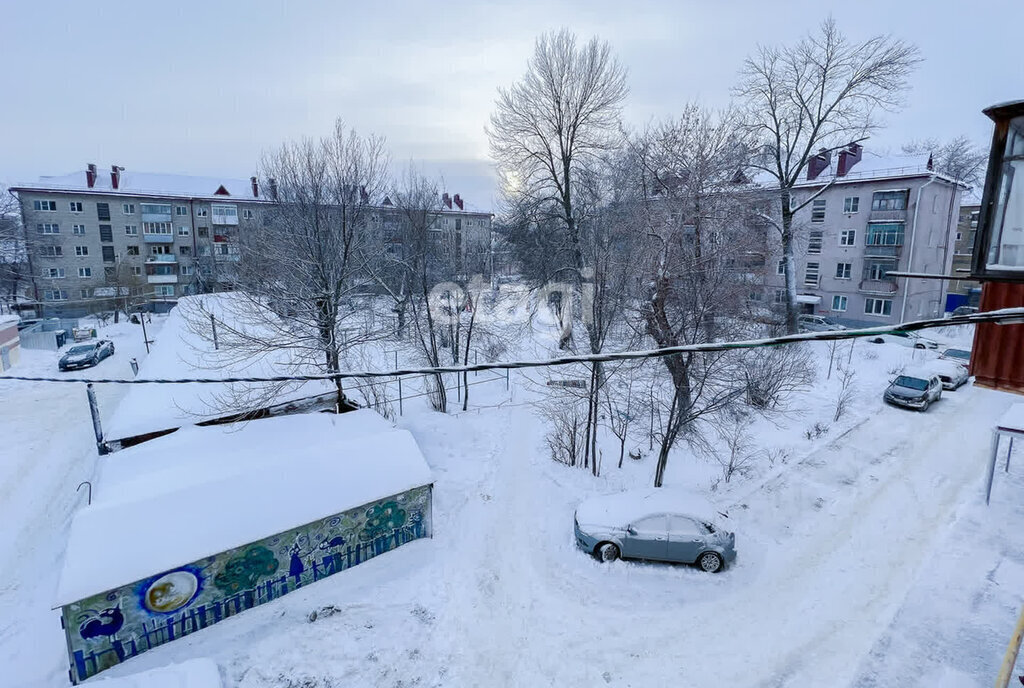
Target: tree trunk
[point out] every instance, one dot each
(792, 309)
(681, 402)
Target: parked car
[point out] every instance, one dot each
(656, 525)
(961, 356)
(817, 323)
(86, 355)
(911, 339)
(952, 375)
(915, 389)
(964, 310)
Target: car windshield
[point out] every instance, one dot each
(911, 382)
(84, 349)
(958, 353)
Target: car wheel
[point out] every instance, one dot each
(710, 562)
(877, 340)
(925, 406)
(607, 551)
(919, 346)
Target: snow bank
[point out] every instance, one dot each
(624, 507)
(201, 491)
(193, 673)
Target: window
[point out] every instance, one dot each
(202, 212)
(78, 230)
(131, 230)
(220, 249)
(184, 231)
(681, 525)
(186, 270)
(75, 206)
(156, 227)
(108, 254)
(885, 234)
(55, 295)
(780, 296)
(818, 210)
(848, 237)
(50, 206)
(81, 250)
(109, 273)
(128, 208)
(106, 233)
(780, 269)
(49, 228)
(83, 293)
(889, 200)
(814, 242)
(878, 269)
(247, 214)
(974, 219)
(878, 306)
(843, 270)
(851, 204)
(54, 273)
(156, 209)
(811, 274)
(204, 232)
(838, 303)
(164, 290)
(959, 236)
(85, 272)
(103, 211)
(51, 251)
(160, 250)
(136, 270)
(181, 210)
(185, 250)
(793, 202)
(204, 250)
(133, 250)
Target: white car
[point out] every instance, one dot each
(952, 375)
(817, 323)
(910, 339)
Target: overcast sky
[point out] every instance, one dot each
(203, 87)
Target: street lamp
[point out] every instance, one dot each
(999, 242)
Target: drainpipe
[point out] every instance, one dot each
(910, 258)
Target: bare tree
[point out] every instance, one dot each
(733, 429)
(621, 407)
(959, 157)
(846, 391)
(817, 95)
(774, 373)
(14, 266)
(300, 269)
(124, 287)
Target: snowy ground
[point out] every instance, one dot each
(866, 557)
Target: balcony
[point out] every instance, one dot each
(162, 258)
(226, 257)
(877, 286)
(887, 216)
(162, 279)
(158, 238)
(883, 251)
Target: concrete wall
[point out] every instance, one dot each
(107, 628)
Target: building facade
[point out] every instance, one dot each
(968, 291)
(869, 216)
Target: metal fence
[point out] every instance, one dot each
(49, 334)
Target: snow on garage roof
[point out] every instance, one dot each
(204, 490)
(192, 673)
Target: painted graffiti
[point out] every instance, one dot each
(111, 627)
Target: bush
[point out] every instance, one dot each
(816, 431)
(773, 373)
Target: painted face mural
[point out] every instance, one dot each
(242, 572)
(382, 519)
(171, 591)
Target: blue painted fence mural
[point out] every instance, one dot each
(109, 628)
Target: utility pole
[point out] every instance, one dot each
(145, 337)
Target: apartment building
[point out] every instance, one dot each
(965, 292)
(870, 216)
(92, 235)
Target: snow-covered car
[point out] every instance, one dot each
(86, 355)
(961, 356)
(964, 310)
(914, 389)
(911, 339)
(952, 375)
(817, 323)
(656, 525)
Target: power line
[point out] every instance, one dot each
(1006, 316)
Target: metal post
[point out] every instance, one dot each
(94, 410)
(79, 488)
(213, 324)
(992, 465)
(475, 355)
(1009, 451)
(1012, 650)
(396, 359)
(506, 379)
(399, 396)
(135, 366)
(145, 337)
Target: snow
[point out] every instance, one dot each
(1013, 419)
(240, 482)
(618, 510)
(193, 673)
(150, 183)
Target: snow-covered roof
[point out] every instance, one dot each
(873, 166)
(149, 184)
(618, 510)
(219, 487)
(193, 673)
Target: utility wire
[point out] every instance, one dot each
(1005, 316)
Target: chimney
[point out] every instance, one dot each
(273, 188)
(255, 187)
(115, 177)
(931, 163)
(90, 175)
(458, 202)
(848, 157)
(446, 200)
(818, 164)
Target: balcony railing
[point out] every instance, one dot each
(888, 216)
(162, 279)
(162, 258)
(877, 286)
(158, 238)
(224, 219)
(883, 251)
(231, 257)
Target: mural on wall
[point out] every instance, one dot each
(108, 628)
